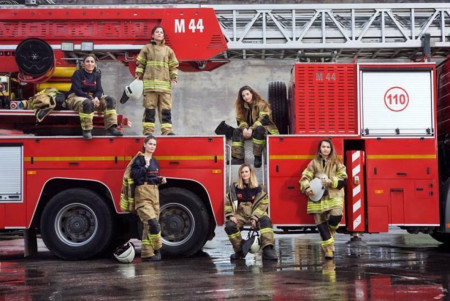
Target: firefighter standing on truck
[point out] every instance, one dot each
(254, 119)
(328, 210)
(145, 173)
(246, 204)
(157, 66)
(86, 96)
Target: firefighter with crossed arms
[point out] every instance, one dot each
(246, 204)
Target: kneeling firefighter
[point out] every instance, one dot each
(246, 204)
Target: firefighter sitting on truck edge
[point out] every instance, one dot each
(246, 204)
(327, 211)
(157, 66)
(145, 174)
(254, 119)
(86, 96)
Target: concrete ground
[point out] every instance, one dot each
(395, 266)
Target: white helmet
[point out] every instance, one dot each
(125, 253)
(256, 245)
(133, 90)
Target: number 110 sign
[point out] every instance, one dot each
(396, 99)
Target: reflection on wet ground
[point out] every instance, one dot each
(395, 266)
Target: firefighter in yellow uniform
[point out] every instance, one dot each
(86, 96)
(254, 119)
(157, 66)
(328, 210)
(246, 204)
(144, 172)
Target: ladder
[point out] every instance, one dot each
(342, 31)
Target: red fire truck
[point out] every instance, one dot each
(382, 118)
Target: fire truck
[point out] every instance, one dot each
(384, 118)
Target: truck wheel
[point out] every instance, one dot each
(77, 224)
(279, 105)
(184, 222)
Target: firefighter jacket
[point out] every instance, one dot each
(142, 174)
(250, 203)
(85, 84)
(258, 113)
(45, 101)
(127, 195)
(334, 194)
(158, 64)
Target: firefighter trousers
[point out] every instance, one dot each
(264, 225)
(85, 108)
(161, 101)
(146, 199)
(258, 138)
(327, 224)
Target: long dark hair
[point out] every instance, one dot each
(239, 103)
(332, 157)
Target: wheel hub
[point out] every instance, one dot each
(78, 225)
(175, 224)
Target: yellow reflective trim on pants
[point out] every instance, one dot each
(257, 141)
(327, 242)
(274, 132)
(85, 115)
(266, 230)
(235, 235)
(237, 143)
(166, 125)
(148, 124)
(258, 123)
(110, 112)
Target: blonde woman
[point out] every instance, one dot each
(246, 204)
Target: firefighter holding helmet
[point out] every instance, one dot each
(327, 210)
(145, 174)
(246, 204)
(86, 96)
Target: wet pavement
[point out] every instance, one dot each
(395, 266)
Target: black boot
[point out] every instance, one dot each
(269, 253)
(87, 134)
(258, 161)
(156, 257)
(114, 131)
(237, 256)
(236, 161)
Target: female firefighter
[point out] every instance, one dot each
(86, 96)
(145, 174)
(327, 211)
(157, 66)
(246, 204)
(254, 119)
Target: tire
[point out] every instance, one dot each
(184, 222)
(77, 224)
(279, 105)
